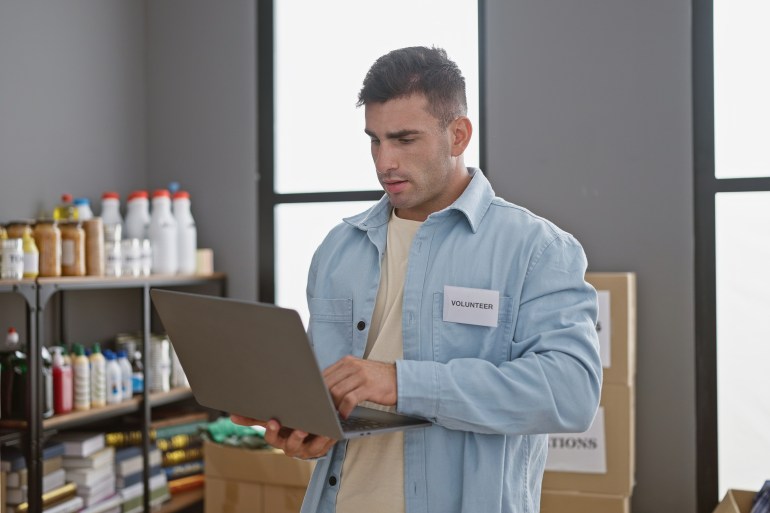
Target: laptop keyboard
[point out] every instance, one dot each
(359, 424)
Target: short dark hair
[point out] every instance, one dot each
(417, 69)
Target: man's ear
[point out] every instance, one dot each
(461, 131)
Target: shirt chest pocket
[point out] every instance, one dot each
(452, 340)
(330, 329)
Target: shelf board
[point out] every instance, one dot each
(182, 500)
(102, 282)
(77, 418)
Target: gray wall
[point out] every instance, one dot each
(72, 116)
(201, 123)
(589, 124)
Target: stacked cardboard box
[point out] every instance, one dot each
(593, 472)
(736, 501)
(253, 481)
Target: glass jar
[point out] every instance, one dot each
(17, 229)
(48, 240)
(73, 249)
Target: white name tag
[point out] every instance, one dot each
(471, 306)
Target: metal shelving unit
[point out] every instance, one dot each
(33, 431)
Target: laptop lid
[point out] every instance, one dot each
(254, 359)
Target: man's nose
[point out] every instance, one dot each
(385, 159)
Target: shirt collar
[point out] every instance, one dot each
(473, 203)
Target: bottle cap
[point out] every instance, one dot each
(111, 195)
(181, 194)
(81, 201)
(66, 198)
(159, 193)
(122, 353)
(173, 187)
(137, 194)
(95, 348)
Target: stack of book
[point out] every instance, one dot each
(129, 471)
(181, 444)
(90, 465)
(14, 464)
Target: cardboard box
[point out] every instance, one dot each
(619, 327)
(736, 501)
(573, 502)
(616, 447)
(246, 481)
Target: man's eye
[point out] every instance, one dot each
(405, 141)
(375, 141)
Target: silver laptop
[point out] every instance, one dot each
(255, 360)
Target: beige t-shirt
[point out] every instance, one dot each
(373, 471)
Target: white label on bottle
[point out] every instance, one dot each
(68, 252)
(31, 263)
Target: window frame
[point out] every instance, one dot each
(706, 187)
(267, 198)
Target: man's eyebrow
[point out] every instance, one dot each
(395, 135)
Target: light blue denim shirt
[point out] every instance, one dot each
(491, 392)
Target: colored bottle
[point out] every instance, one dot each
(62, 382)
(66, 210)
(98, 377)
(83, 207)
(127, 387)
(186, 233)
(9, 349)
(81, 370)
(163, 234)
(47, 370)
(31, 254)
(114, 379)
(111, 209)
(137, 223)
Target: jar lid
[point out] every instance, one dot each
(20, 222)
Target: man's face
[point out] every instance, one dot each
(412, 154)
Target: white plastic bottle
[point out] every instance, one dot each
(81, 370)
(83, 207)
(163, 234)
(137, 223)
(113, 379)
(186, 231)
(98, 378)
(111, 209)
(126, 373)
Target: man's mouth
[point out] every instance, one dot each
(394, 186)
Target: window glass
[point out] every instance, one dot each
(743, 335)
(322, 53)
(741, 89)
(300, 228)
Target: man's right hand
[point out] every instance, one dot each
(292, 442)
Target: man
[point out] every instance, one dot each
(445, 302)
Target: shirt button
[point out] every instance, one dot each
(332, 481)
(361, 325)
